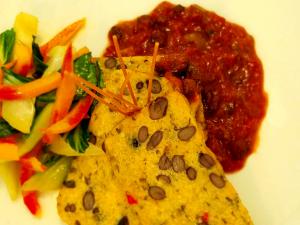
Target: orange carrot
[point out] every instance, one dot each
(63, 37)
(64, 94)
(30, 89)
(9, 151)
(71, 120)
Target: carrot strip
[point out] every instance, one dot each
(34, 164)
(63, 37)
(71, 120)
(9, 151)
(64, 94)
(118, 51)
(152, 70)
(81, 52)
(67, 89)
(40, 86)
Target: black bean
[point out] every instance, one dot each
(135, 143)
(164, 162)
(155, 139)
(217, 181)
(156, 87)
(178, 163)
(110, 62)
(158, 108)
(157, 193)
(166, 179)
(115, 30)
(77, 222)
(88, 200)
(139, 85)
(124, 221)
(69, 183)
(206, 160)
(191, 173)
(186, 133)
(92, 139)
(143, 134)
(96, 210)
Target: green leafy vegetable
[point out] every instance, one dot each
(38, 60)
(7, 42)
(55, 59)
(99, 73)
(20, 113)
(6, 129)
(49, 158)
(84, 68)
(12, 78)
(48, 97)
(78, 137)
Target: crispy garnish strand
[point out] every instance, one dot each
(118, 51)
(63, 37)
(152, 70)
(106, 97)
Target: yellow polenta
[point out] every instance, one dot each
(156, 170)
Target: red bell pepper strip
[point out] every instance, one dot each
(131, 200)
(30, 199)
(30, 89)
(204, 218)
(64, 94)
(12, 139)
(63, 37)
(73, 118)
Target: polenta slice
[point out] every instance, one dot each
(155, 170)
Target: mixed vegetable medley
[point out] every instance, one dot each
(44, 116)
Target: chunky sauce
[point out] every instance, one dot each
(213, 57)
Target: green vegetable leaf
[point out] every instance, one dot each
(7, 42)
(6, 129)
(84, 68)
(78, 137)
(48, 158)
(38, 60)
(48, 97)
(99, 73)
(12, 78)
(88, 71)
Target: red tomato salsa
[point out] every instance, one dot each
(213, 57)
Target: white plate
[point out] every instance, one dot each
(270, 183)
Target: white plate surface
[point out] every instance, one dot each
(270, 183)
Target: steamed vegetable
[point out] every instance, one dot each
(64, 94)
(20, 113)
(55, 60)
(41, 123)
(31, 89)
(25, 27)
(9, 152)
(7, 41)
(61, 147)
(38, 60)
(73, 118)
(78, 138)
(9, 173)
(64, 37)
(6, 129)
(51, 179)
